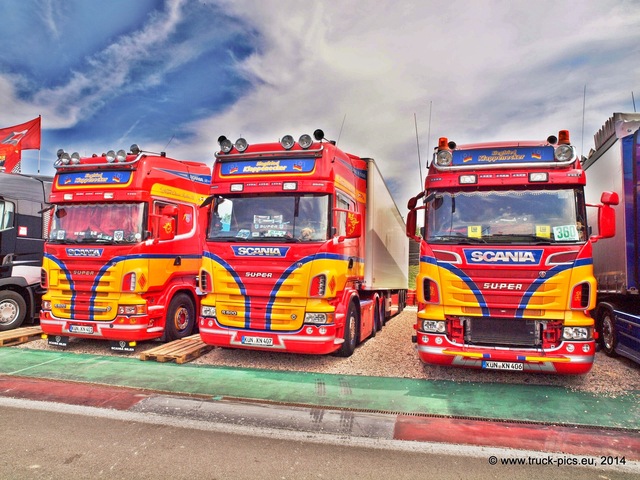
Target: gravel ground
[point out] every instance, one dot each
(391, 354)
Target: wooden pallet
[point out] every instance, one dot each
(20, 335)
(182, 351)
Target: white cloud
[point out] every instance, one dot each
(491, 69)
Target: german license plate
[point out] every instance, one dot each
(87, 329)
(257, 341)
(503, 365)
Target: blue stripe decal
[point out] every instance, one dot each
(111, 262)
(243, 290)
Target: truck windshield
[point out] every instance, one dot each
(301, 217)
(512, 216)
(98, 223)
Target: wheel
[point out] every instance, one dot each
(181, 317)
(608, 336)
(350, 332)
(13, 310)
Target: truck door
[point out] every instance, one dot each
(7, 228)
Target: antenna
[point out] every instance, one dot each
(415, 122)
(165, 147)
(341, 127)
(633, 100)
(584, 101)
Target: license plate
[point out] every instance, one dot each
(87, 329)
(257, 341)
(503, 366)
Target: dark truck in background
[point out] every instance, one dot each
(24, 224)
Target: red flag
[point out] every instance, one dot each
(24, 136)
(10, 159)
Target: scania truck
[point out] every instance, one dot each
(306, 250)
(506, 272)
(123, 256)
(615, 165)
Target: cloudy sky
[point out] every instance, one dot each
(173, 75)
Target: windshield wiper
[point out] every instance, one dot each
(457, 239)
(520, 237)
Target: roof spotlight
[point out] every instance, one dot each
(65, 158)
(75, 158)
(59, 152)
(305, 141)
(121, 156)
(318, 134)
(111, 156)
(135, 149)
(241, 144)
(287, 142)
(225, 144)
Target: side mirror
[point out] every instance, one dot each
(412, 217)
(167, 228)
(353, 226)
(606, 216)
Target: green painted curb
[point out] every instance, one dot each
(494, 401)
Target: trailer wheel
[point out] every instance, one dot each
(181, 317)
(13, 310)
(608, 335)
(350, 332)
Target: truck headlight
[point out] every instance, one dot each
(208, 311)
(318, 318)
(433, 326)
(575, 333)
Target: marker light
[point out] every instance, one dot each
(468, 179)
(237, 187)
(225, 144)
(111, 156)
(121, 156)
(290, 186)
(539, 176)
(305, 141)
(241, 144)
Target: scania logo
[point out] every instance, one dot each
(255, 251)
(504, 257)
(84, 252)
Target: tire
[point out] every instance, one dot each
(608, 334)
(13, 310)
(181, 317)
(350, 332)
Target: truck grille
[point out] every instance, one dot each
(501, 331)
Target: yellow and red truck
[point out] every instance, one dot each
(506, 270)
(306, 249)
(122, 259)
